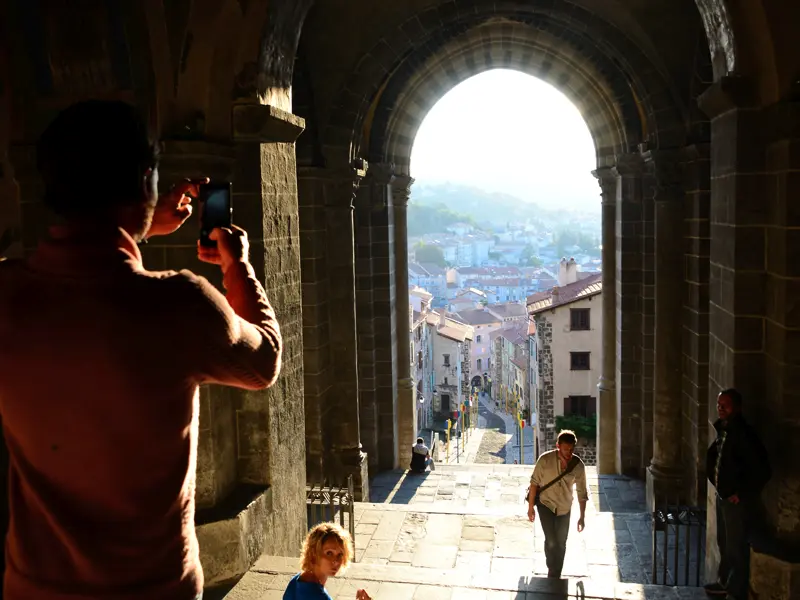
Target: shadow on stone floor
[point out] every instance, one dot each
(396, 487)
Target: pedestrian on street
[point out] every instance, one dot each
(551, 492)
(738, 467)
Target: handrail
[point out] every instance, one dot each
(333, 500)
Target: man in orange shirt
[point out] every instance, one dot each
(100, 363)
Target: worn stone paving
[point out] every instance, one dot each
(270, 575)
(461, 532)
(474, 517)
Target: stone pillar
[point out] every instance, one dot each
(340, 418)
(608, 418)
(737, 274)
(695, 322)
(365, 326)
(665, 475)
(379, 179)
(647, 305)
(217, 456)
(332, 415)
(406, 396)
(628, 171)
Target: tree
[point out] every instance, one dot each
(425, 253)
(528, 257)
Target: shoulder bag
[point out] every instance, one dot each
(570, 467)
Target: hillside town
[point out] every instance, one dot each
(526, 338)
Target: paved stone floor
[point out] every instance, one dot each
(461, 532)
(474, 517)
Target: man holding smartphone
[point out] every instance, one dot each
(100, 363)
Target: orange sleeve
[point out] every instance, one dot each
(236, 339)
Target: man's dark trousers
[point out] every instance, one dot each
(734, 547)
(556, 530)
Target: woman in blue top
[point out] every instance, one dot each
(327, 550)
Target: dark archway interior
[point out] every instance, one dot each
(693, 108)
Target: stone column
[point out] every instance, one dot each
(406, 397)
(647, 302)
(321, 191)
(217, 475)
(365, 326)
(695, 322)
(665, 475)
(628, 170)
(753, 322)
(340, 418)
(608, 418)
(379, 180)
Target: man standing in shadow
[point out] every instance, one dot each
(738, 467)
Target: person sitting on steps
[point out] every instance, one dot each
(420, 457)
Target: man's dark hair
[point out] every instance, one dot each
(93, 157)
(734, 395)
(567, 437)
(420, 441)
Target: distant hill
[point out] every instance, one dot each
(482, 206)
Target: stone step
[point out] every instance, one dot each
(269, 576)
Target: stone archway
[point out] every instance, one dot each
(625, 102)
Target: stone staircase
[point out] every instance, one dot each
(461, 532)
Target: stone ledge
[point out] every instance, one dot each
(272, 573)
(265, 124)
(232, 534)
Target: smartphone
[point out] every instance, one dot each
(215, 209)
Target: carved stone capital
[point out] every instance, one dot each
(265, 124)
(628, 165)
(608, 184)
(667, 167)
(401, 190)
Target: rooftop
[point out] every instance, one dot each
(507, 309)
(477, 316)
(583, 288)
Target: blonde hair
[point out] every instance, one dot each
(316, 538)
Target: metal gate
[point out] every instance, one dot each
(325, 503)
(679, 537)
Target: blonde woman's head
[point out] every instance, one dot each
(327, 550)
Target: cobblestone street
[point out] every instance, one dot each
(493, 445)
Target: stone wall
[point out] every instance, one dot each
(466, 371)
(587, 450)
(545, 411)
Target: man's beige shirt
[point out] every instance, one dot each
(558, 497)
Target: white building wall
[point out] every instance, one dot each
(567, 382)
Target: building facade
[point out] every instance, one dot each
(421, 348)
(568, 341)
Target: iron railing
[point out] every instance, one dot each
(325, 503)
(679, 536)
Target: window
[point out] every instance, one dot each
(579, 319)
(478, 339)
(447, 360)
(479, 364)
(580, 406)
(419, 359)
(579, 361)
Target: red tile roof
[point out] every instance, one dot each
(583, 288)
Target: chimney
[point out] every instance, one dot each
(555, 294)
(572, 271)
(562, 272)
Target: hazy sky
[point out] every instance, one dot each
(504, 131)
